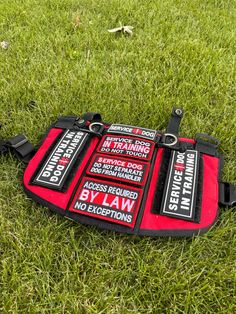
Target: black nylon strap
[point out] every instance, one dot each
(175, 120)
(227, 194)
(70, 122)
(20, 145)
(66, 122)
(207, 144)
(88, 117)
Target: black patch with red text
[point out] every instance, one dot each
(181, 185)
(118, 168)
(126, 146)
(133, 130)
(56, 168)
(112, 202)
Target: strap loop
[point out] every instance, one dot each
(92, 117)
(66, 122)
(175, 120)
(207, 144)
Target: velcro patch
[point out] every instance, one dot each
(56, 168)
(181, 185)
(126, 146)
(112, 202)
(132, 130)
(118, 168)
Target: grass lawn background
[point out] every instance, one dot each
(182, 54)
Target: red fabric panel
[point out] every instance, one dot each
(57, 198)
(209, 209)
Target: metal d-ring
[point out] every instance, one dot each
(95, 123)
(175, 141)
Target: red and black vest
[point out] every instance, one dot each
(126, 178)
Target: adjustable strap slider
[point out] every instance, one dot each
(227, 194)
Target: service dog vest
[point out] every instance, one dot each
(126, 178)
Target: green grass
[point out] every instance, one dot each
(182, 53)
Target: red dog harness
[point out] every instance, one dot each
(125, 178)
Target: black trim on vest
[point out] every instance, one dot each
(101, 224)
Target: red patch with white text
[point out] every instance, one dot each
(126, 146)
(118, 168)
(133, 130)
(112, 202)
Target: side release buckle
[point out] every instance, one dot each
(21, 147)
(227, 195)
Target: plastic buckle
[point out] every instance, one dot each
(227, 195)
(17, 141)
(20, 143)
